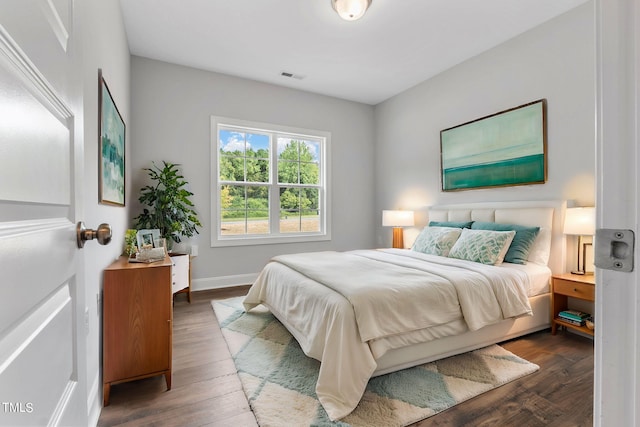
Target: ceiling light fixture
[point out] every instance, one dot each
(350, 10)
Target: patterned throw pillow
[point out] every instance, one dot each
(483, 246)
(436, 240)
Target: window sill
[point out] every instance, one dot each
(269, 240)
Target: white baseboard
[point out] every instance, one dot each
(222, 281)
(93, 402)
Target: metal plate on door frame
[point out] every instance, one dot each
(614, 249)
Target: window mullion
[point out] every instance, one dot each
(274, 189)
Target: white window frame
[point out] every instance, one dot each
(219, 240)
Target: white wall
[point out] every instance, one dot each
(171, 110)
(104, 46)
(553, 61)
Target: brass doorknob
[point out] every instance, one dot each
(102, 234)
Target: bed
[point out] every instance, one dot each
(370, 312)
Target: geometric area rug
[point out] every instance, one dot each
(279, 379)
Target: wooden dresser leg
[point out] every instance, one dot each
(106, 391)
(167, 377)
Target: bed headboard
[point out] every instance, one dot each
(548, 215)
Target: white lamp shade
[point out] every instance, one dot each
(397, 218)
(580, 221)
(350, 10)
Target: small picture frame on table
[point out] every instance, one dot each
(148, 238)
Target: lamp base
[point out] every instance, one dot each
(583, 273)
(398, 238)
(582, 265)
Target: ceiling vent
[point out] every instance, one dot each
(291, 75)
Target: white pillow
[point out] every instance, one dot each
(436, 240)
(483, 246)
(541, 248)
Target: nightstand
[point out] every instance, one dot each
(181, 271)
(570, 285)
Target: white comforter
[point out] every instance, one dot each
(337, 302)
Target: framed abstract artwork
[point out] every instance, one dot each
(111, 131)
(504, 149)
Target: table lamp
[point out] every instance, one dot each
(397, 220)
(580, 222)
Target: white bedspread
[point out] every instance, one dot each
(336, 302)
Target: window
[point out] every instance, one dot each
(270, 183)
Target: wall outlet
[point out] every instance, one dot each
(194, 250)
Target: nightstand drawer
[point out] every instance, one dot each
(574, 289)
(180, 272)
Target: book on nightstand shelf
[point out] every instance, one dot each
(574, 314)
(574, 317)
(571, 321)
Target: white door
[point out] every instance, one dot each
(42, 332)
(617, 342)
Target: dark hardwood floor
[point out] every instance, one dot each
(207, 392)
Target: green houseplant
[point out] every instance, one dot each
(167, 206)
(130, 243)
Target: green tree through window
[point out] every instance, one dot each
(298, 164)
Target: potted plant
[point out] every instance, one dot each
(130, 243)
(167, 204)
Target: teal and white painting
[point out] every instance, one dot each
(506, 148)
(112, 135)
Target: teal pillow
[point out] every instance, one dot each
(454, 224)
(522, 242)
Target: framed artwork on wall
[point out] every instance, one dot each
(111, 132)
(504, 149)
